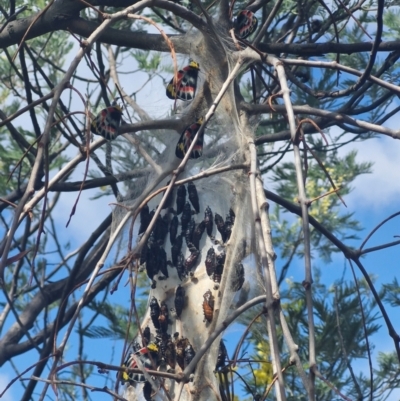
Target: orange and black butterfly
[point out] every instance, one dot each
(107, 122)
(245, 24)
(186, 83)
(147, 356)
(186, 140)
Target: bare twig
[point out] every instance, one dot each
(334, 388)
(266, 229)
(26, 108)
(242, 338)
(135, 141)
(379, 247)
(20, 375)
(331, 115)
(305, 223)
(217, 331)
(271, 298)
(344, 352)
(267, 23)
(349, 253)
(30, 26)
(375, 229)
(114, 75)
(336, 66)
(83, 385)
(374, 51)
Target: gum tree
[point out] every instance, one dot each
(278, 99)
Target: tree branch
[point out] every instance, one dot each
(320, 49)
(333, 116)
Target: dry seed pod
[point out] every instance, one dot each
(170, 354)
(218, 273)
(208, 306)
(180, 198)
(198, 233)
(186, 216)
(144, 219)
(193, 196)
(146, 336)
(228, 226)
(176, 249)
(147, 391)
(180, 345)
(155, 312)
(208, 220)
(173, 229)
(180, 266)
(210, 262)
(161, 229)
(179, 300)
(219, 222)
(189, 231)
(191, 260)
(162, 261)
(163, 317)
(189, 354)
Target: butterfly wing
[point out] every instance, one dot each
(186, 83)
(246, 23)
(171, 88)
(186, 140)
(143, 355)
(107, 122)
(254, 24)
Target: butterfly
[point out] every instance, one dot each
(144, 355)
(186, 140)
(186, 82)
(107, 122)
(245, 24)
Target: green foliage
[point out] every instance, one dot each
(391, 19)
(264, 374)
(327, 210)
(147, 61)
(48, 56)
(388, 374)
(116, 318)
(392, 293)
(339, 339)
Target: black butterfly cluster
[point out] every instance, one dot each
(153, 254)
(159, 349)
(164, 351)
(183, 228)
